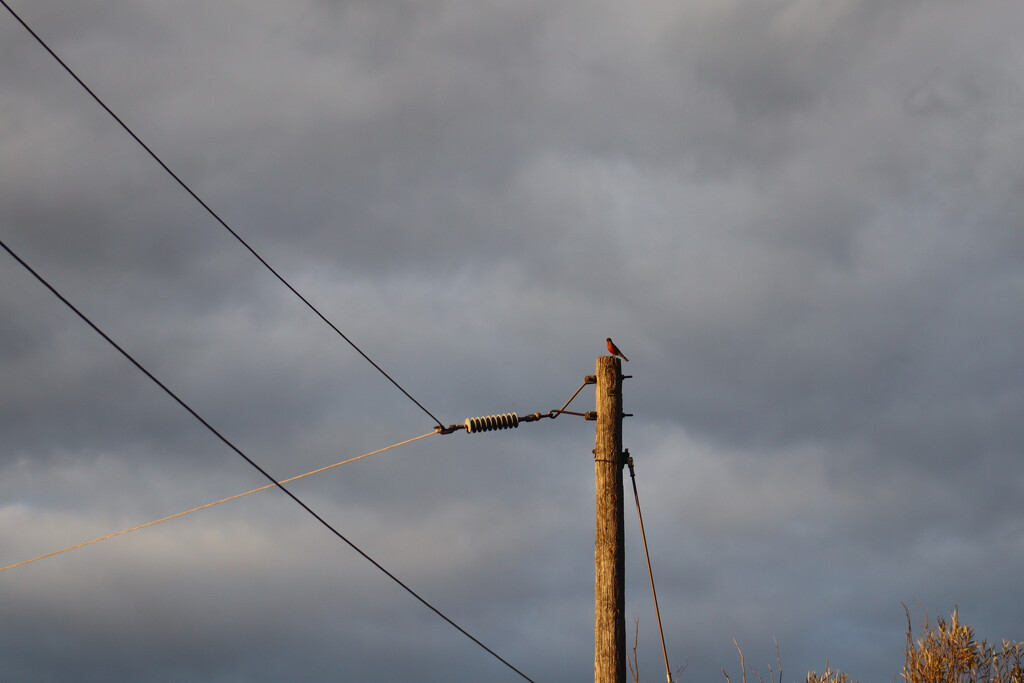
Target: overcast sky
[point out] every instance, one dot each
(802, 221)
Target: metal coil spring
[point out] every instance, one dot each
(492, 422)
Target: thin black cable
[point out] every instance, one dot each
(210, 210)
(249, 460)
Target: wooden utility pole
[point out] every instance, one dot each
(609, 555)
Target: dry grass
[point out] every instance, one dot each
(949, 653)
(757, 675)
(827, 676)
(946, 652)
(634, 665)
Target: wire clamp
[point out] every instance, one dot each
(450, 429)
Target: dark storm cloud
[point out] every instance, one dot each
(801, 222)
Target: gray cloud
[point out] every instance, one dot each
(801, 222)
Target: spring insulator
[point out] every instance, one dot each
(492, 422)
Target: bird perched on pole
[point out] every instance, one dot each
(613, 349)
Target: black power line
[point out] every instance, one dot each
(210, 211)
(249, 460)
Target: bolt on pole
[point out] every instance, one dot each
(609, 553)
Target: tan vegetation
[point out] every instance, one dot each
(946, 652)
(949, 653)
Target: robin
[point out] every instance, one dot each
(613, 349)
